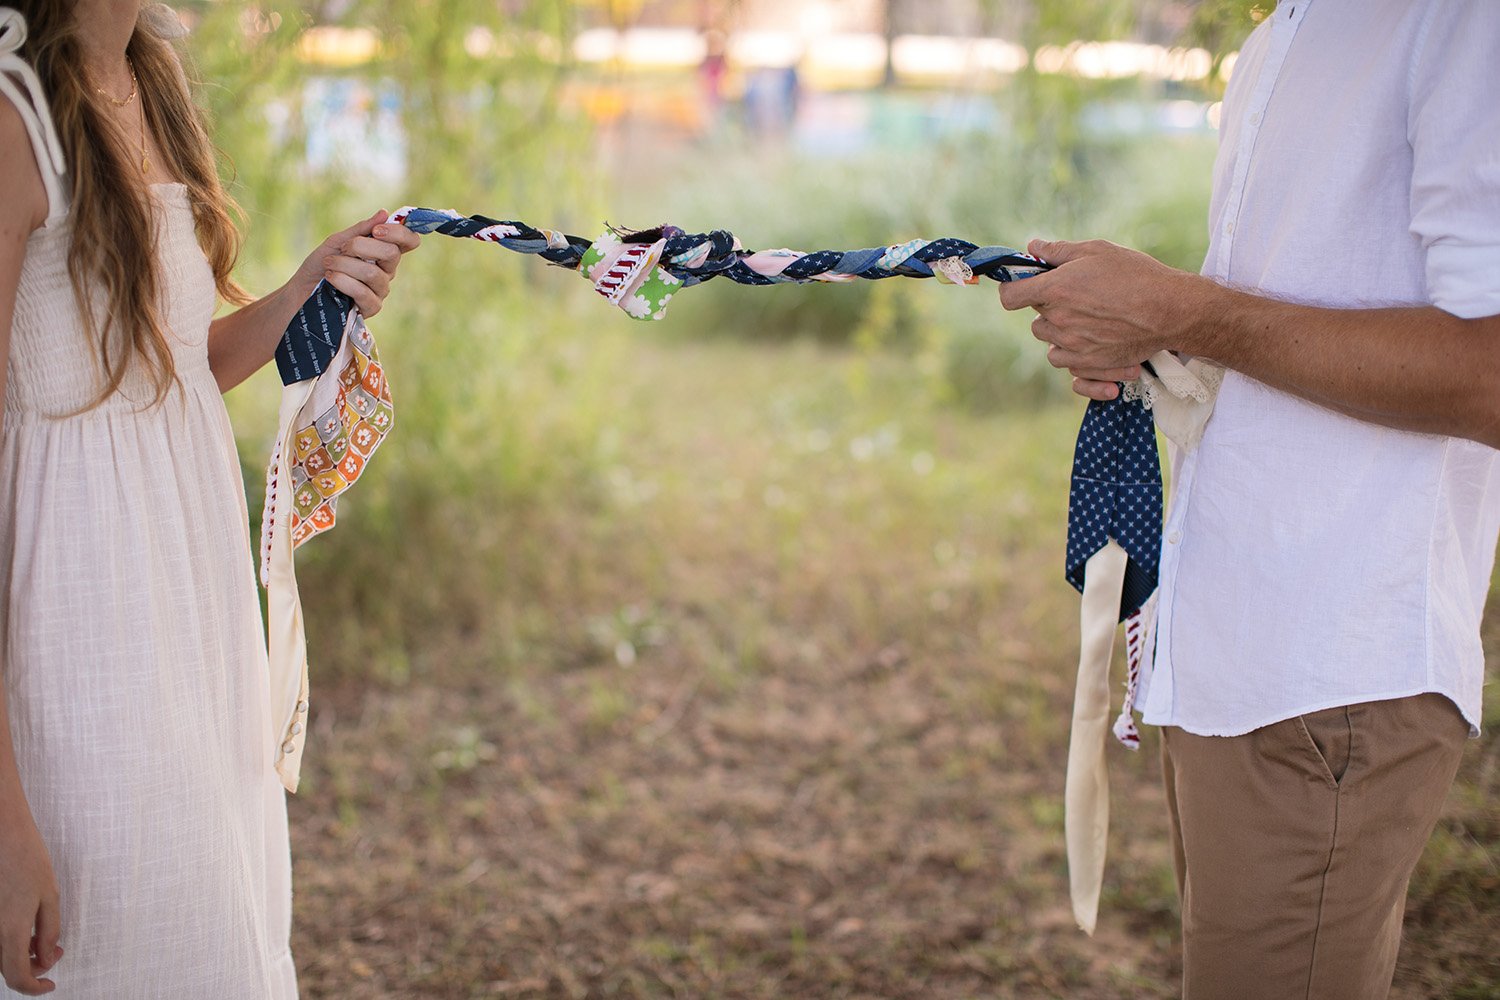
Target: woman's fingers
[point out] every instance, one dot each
(44, 943)
(398, 236)
(38, 967)
(372, 275)
(364, 248)
(387, 255)
(364, 271)
(364, 297)
(15, 963)
(364, 227)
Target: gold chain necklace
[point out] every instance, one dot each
(130, 97)
(134, 89)
(145, 160)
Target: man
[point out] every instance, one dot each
(1329, 545)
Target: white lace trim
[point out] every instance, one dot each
(1197, 381)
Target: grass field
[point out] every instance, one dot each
(756, 687)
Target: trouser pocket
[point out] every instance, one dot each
(1330, 735)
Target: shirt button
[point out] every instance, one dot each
(301, 706)
(1255, 118)
(288, 746)
(296, 728)
(1174, 538)
(1228, 229)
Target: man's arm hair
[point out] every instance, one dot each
(1415, 368)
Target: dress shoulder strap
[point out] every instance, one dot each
(19, 84)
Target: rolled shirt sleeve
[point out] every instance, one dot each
(1454, 129)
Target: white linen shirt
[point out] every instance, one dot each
(1312, 560)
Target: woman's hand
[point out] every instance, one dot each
(29, 915)
(359, 261)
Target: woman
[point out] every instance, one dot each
(141, 822)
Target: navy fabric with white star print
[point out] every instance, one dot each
(1116, 493)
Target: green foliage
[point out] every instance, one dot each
(1221, 25)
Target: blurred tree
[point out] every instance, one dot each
(1220, 26)
(1046, 108)
(892, 25)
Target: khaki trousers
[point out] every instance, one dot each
(1294, 845)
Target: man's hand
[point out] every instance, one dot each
(1104, 309)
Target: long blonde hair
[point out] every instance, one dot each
(113, 230)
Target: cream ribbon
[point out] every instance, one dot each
(1181, 398)
(1086, 800)
(286, 641)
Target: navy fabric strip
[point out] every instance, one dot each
(314, 334)
(1116, 493)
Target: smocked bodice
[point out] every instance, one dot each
(55, 366)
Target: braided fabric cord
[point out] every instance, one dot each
(693, 258)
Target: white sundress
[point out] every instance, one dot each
(133, 653)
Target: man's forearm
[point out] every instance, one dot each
(1413, 368)
(1105, 308)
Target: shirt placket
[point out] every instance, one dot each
(1161, 693)
(1283, 30)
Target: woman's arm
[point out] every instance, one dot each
(360, 262)
(29, 915)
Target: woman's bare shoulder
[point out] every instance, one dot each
(20, 175)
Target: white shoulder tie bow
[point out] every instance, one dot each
(31, 102)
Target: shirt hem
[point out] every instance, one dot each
(1471, 718)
